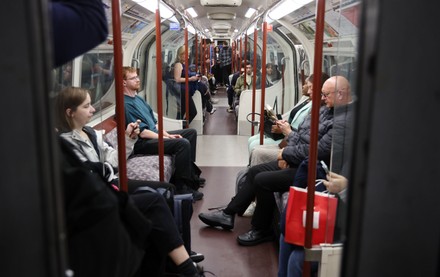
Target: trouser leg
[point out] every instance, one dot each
(164, 236)
(191, 136)
(266, 184)
(246, 194)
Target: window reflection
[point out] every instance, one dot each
(97, 74)
(62, 77)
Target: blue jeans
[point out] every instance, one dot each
(291, 260)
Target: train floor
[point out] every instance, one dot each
(221, 154)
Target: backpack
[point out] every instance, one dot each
(106, 233)
(241, 178)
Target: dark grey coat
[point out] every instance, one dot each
(297, 148)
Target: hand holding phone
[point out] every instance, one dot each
(324, 166)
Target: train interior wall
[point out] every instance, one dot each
(393, 226)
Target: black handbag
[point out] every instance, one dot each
(270, 118)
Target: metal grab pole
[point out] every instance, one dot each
(186, 78)
(263, 80)
(159, 95)
(195, 55)
(313, 152)
(120, 113)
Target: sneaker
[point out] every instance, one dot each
(230, 110)
(213, 111)
(250, 210)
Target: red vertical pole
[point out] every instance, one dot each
(313, 152)
(120, 113)
(186, 78)
(246, 50)
(241, 51)
(253, 82)
(233, 57)
(195, 54)
(205, 54)
(263, 79)
(159, 96)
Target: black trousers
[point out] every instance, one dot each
(164, 236)
(226, 71)
(270, 177)
(192, 108)
(183, 150)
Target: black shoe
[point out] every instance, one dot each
(218, 219)
(196, 257)
(201, 181)
(254, 237)
(197, 195)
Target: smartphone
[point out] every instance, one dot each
(279, 117)
(324, 166)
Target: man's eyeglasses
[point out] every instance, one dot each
(133, 78)
(325, 95)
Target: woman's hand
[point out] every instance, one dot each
(275, 129)
(284, 127)
(282, 164)
(133, 129)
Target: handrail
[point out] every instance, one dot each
(313, 152)
(119, 95)
(263, 78)
(186, 76)
(159, 94)
(195, 54)
(254, 81)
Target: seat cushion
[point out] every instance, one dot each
(143, 167)
(146, 167)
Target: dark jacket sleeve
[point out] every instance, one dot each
(78, 26)
(298, 143)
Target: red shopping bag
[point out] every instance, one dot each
(324, 217)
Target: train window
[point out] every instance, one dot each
(62, 77)
(97, 74)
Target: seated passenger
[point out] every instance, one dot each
(74, 110)
(180, 78)
(242, 85)
(269, 150)
(291, 257)
(179, 143)
(231, 92)
(272, 75)
(203, 87)
(276, 176)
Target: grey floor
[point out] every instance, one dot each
(221, 154)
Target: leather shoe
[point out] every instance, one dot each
(197, 195)
(196, 257)
(218, 219)
(254, 237)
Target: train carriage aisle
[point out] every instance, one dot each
(221, 154)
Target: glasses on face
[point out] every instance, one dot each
(325, 95)
(133, 78)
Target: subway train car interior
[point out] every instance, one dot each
(261, 138)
